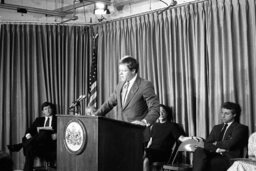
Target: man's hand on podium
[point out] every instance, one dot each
(90, 110)
(142, 122)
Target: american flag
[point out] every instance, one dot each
(93, 76)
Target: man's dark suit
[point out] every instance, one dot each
(234, 141)
(141, 103)
(41, 144)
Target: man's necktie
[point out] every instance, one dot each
(222, 132)
(124, 92)
(47, 123)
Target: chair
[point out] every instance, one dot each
(187, 146)
(43, 165)
(158, 166)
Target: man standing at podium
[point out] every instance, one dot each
(134, 97)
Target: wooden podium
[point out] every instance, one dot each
(91, 143)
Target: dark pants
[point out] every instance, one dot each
(205, 160)
(41, 146)
(5, 161)
(154, 155)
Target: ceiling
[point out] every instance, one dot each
(63, 11)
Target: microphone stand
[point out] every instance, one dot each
(78, 108)
(75, 108)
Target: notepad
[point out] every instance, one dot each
(44, 128)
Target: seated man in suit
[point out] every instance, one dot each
(226, 141)
(40, 138)
(41, 143)
(163, 136)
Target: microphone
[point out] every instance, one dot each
(80, 98)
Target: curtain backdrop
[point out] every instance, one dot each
(197, 56)
(38, 63)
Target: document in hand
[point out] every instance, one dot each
(44, 128)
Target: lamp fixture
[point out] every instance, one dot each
(22, 10)
(101, 8)
(172, 4)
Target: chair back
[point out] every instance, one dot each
(187, 146)
(40, 163)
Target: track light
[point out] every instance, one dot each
(172, 4)
(101, 8)
(22, 10)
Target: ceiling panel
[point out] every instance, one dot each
(75, 11)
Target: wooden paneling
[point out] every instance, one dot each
(111, 145)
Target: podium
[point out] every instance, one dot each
(91, 143)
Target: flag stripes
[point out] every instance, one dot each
(93, 77)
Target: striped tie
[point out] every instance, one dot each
(124, 92)
(223, 130)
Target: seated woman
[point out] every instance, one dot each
(163, 136)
